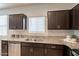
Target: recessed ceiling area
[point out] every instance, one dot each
(15, 5)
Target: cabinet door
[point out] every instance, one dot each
(26, 51)
(52, 20)
(12, 22)
(67, 51)
(4, 48)
(62, 19)
(38, 51)
(76, 17)
(19, 21)
(58, 19)
(53, 52)
(16, 21)
(32, 49)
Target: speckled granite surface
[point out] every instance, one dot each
(47, 40)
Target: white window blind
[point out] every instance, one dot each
(37, 24)
(3, 25)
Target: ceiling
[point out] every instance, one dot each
(14, 5)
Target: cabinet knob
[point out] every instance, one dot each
(58, 26)
(31, 50)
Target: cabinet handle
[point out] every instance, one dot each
(58, 26)
(53, 46)
(23, 23)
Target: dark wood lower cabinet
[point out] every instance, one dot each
(4, 48)
(53, 52)
(26, 51)
(33, 49)
(38, 51)
(67, 51)
(30, 51)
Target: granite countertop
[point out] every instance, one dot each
(48, 40)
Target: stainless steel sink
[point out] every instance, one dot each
(34, 39)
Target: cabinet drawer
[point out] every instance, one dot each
(14, 42)
(33, 44)
(24, 44)
(37, 45)
(53, 52)
(54, 46)
(4, 42)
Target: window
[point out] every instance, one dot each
(3, 25)
(37, 24)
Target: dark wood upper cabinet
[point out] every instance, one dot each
(64, 19)
(59, 19)
(17, 21)
(76, 17)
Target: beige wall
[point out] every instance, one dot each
(37, 9)
(41, 10)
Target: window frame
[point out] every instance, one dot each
(5, 25)
(37, 32)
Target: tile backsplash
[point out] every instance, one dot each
(76, 32)
(49, 33)
(60, 32)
